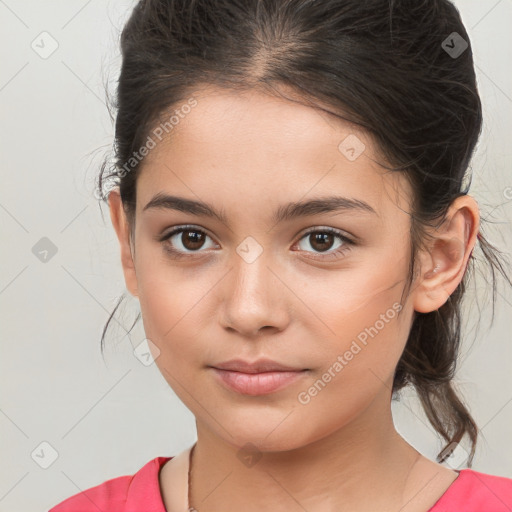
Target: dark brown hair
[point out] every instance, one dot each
(382, 64)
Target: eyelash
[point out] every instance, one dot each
(347, 243)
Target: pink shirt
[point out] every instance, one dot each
(471, 491)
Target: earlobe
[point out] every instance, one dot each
(443, 265)
(122, 229)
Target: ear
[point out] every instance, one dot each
(443, 264)
(122, 228)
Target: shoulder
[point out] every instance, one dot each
(473, 491)
(126, 493)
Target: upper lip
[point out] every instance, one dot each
(259, 366)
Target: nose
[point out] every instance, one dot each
(254, 298)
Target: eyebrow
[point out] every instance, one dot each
(316, 206)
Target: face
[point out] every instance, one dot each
(316, 288)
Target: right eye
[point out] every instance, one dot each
(183, 240)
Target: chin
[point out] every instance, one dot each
(264, 437)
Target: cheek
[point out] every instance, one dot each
(360, 358)
(169, 313)
(166, 292)
(177, 314)
(168, 319)
(169, 304)
(366, 331)
(368, 345)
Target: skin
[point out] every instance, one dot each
(247, 154)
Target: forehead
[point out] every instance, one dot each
(256, 145)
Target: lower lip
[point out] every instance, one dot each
(258, 383)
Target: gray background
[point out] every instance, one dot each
(108, 418)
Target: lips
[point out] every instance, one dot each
(259, 366)
(261, 377)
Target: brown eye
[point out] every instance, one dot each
(192, 240)
(323, 241)
(183, 240)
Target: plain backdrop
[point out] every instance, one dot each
(89, 419)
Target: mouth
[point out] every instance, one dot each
(254, 384)
(259, 366)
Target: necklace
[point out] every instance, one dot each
(189, 507)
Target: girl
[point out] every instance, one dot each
(292, 208)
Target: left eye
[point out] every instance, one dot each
(322, 240)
